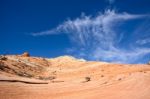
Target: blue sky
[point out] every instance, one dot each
(105, 30)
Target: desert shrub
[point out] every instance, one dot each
(87, 79)
(3, 58)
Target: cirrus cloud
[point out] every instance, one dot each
(97, 38)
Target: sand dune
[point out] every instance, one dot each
(24, 77)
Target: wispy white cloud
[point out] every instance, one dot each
(121, 55)
(143, 41)
(97, 36)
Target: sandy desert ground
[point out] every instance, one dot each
(24, 77)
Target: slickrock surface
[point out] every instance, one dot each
(65, 77)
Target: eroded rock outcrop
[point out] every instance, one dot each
(25, 54)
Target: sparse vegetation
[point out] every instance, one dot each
(3, 57)
(87, 79)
